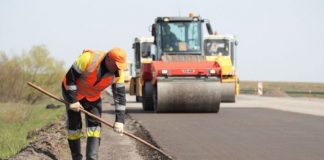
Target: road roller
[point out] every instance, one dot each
(172, 71)
(222, 49)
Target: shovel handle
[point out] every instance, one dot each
(98, 118)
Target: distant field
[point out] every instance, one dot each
(293, 89)
(16, 120)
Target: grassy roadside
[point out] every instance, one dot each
(293, 89)
(17, 119)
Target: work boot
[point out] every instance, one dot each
(75, 148)
(92, 148)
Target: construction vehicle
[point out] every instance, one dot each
(176, 77)
(222, 49)
(127, 75)
(143, 47)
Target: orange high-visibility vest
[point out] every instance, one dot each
(86, 87)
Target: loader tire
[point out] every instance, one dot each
(154, 99)
(147, 96)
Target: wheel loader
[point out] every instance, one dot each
(127, 76)
(172, 71)
(222, 49)
(143, 49)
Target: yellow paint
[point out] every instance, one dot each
(228, 70)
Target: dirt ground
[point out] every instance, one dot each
(50, 142)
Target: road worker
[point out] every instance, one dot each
(89, 75)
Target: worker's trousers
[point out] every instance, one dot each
(93, 130)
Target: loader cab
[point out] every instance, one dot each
(221, 45)
(178, 36)
(144, 50)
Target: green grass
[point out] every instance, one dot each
(293, 89)
(16, 120)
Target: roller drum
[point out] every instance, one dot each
(228, 92)
(187, 96)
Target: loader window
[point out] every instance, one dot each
(214, 47)
(146, 50)
(181, 37)
(137, 48)
(233, 50)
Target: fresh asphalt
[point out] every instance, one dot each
(253, 128)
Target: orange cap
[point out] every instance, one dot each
(119, 56)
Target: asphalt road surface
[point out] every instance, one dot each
(254, 128)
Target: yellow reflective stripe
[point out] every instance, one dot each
(76, 67)
(121, 78)
(92, 65)
(74, 135)
(82, 62)
(94, 132)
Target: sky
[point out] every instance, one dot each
(279, 40)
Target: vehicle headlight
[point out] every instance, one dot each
(164, 71)
(166, 19)
(212, 71)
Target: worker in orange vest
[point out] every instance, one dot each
(90, 74)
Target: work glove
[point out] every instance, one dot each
(75, 106)
(119, 128)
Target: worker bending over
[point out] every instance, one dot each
(90, 74)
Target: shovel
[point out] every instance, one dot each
(99, 119)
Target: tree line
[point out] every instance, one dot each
(36, 66)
